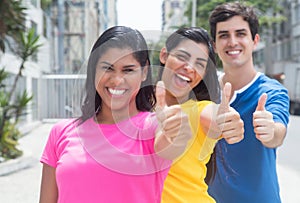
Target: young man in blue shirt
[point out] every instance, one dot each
(246, 171)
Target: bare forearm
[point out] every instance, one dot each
(49, 191)
(279, 135)
(168, 149)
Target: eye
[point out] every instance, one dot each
(241, 34)
(223, 36)
(106, 68)
(182, 57)
(200, 65)
(128, 70)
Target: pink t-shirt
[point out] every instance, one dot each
(106, 162)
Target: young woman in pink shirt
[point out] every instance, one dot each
(117, 150)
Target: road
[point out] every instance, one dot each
(23, 186)
(289, 163)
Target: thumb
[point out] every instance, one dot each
(224, 106)
(160, 94)
(262, 102)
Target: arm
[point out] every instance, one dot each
(277, 138)
(173, 130)
(270, 134)
(48, 193)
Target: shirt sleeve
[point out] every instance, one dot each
(208, 143)
(207, 148)
(49, 155)
(278, 105)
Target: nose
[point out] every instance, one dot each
(116, 79)
(232, 41)
(189, 66)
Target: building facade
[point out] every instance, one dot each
(77, 24)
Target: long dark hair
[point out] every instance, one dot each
(117, 37)
(209, 87)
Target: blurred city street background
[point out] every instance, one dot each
(65, 31)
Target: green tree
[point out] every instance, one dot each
(12, 19)
(45, 4)
(12, 103)
(269, 11)
(24, 44)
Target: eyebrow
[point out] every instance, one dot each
(187, 53)
(226, 31)
(126, 66)
(106, 63)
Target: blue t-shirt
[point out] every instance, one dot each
(246, 171)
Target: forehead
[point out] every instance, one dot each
(192, 47)
(233, 24)
(113, 55)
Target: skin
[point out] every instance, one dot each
(235, 46)
(118, 82)
(181, 75)
(49, 191)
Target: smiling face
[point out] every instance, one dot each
(234, 44)
(185, 67)
(118, 79)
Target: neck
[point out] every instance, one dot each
(238, 77)
(172, 100)
(111, 117)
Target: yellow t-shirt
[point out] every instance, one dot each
(185, 181)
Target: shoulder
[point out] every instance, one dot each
(272, 87)
(63, 124)
(62, 127)
(192, 105)
(268, 83)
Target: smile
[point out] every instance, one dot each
(233, 52)
(116, 92)
(183, 77)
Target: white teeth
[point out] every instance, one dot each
(183, 77)
(233, 52)
(116, 92)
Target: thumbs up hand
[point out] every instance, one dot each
(224, 106)
(263, 123)
(160, 94)
(173, 126)
(228, 119)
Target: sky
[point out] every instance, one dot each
(140, 14)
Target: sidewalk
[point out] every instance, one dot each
(33, 143)
(27, 160)
(289, 181)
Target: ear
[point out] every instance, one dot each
(145, 73)
(256, 41)
(214, 47)
(163, 55)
